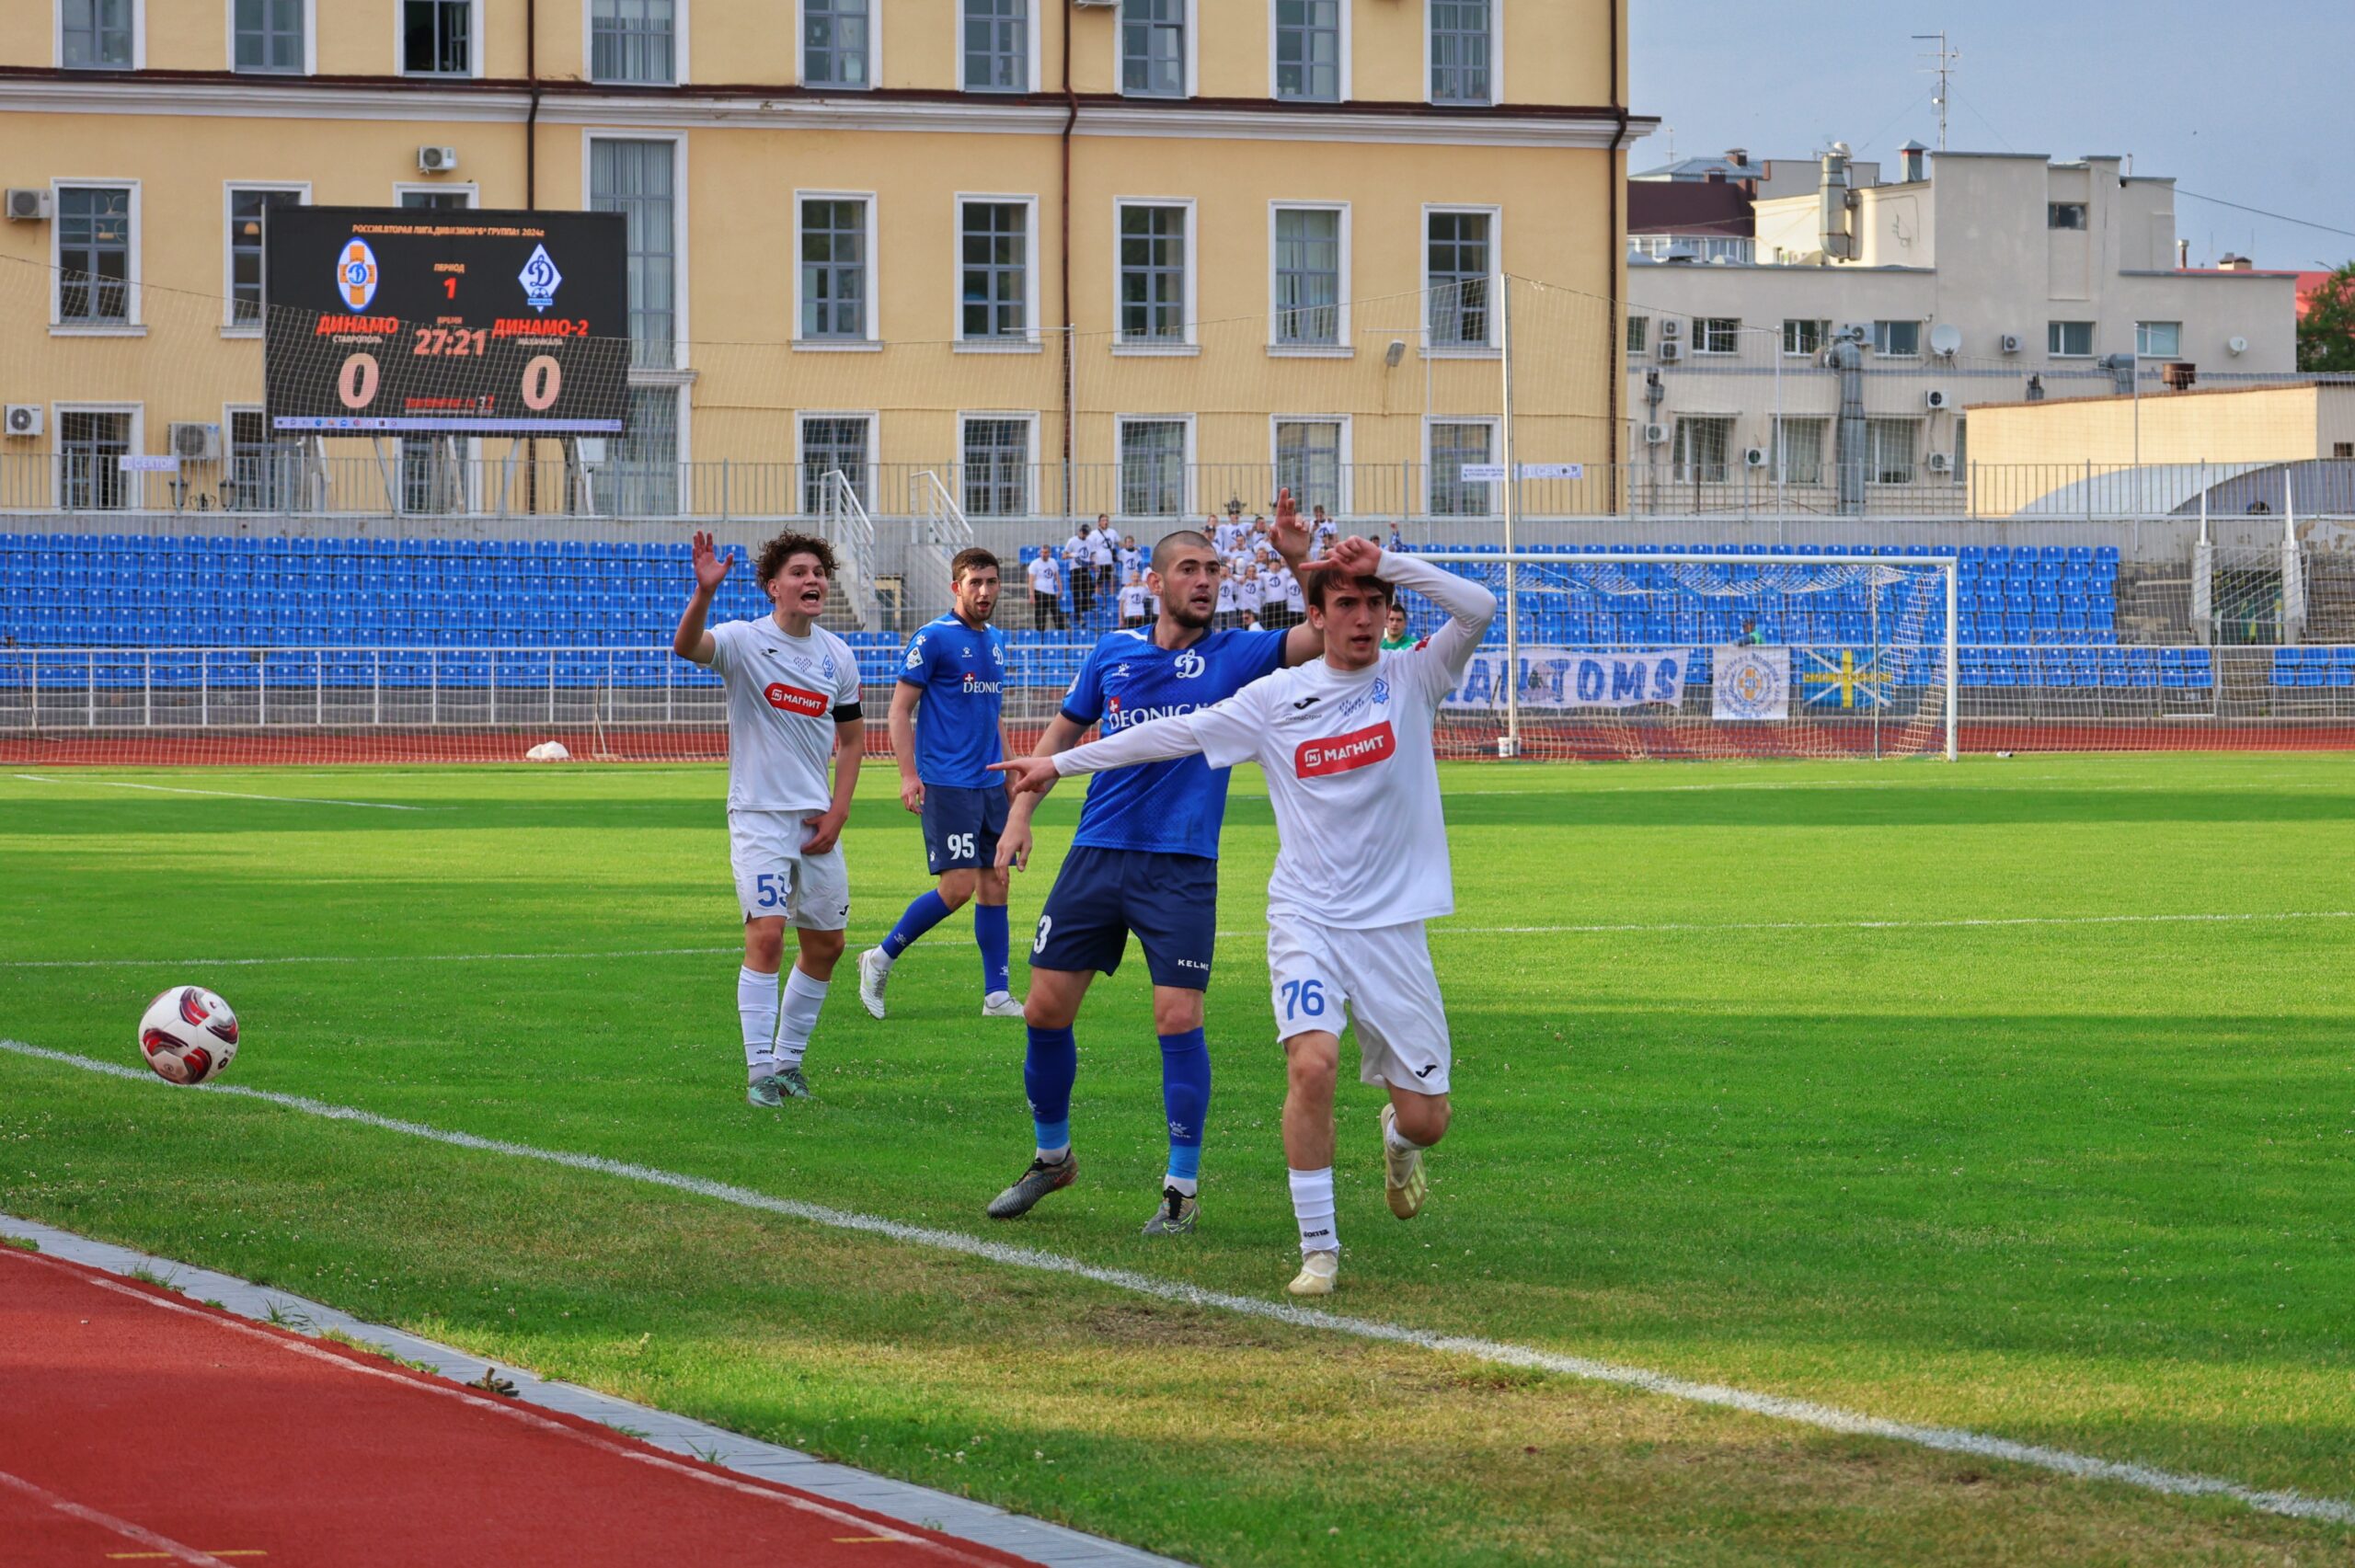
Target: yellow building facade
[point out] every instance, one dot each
(1143, 256)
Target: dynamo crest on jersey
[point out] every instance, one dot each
(1187, 665)
(539, 279)
(355, 275)
(1381, 691)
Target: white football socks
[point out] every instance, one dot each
(798, 1017)
(756, 1005)
(1398, 1142)
(1312, 1205)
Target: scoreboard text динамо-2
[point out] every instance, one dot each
(409, 320)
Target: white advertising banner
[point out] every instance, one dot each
(1752, 684)
(1575, 678)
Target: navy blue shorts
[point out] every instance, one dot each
(961, 826)
(1100, 896)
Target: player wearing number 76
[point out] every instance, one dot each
(792, 702)
(1360, 862)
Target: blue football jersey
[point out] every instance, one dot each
(961, 671)
(1173, 808)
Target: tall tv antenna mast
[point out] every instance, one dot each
(1946, 59)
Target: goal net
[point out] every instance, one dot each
(1656, 654)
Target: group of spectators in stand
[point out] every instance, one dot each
(1099, 570)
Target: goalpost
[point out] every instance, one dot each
(1710, 655)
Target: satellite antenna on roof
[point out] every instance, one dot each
(1947, 60)
(1945, 339)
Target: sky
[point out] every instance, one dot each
(2248, 101)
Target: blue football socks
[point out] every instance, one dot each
(920, 917)
(1186, 1098)
(990, 933)
(1048, 1068)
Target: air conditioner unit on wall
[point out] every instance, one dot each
(1670, 352)
(1940, 462)
(1934, 400)
(22, 419)
(1753, 457)
(436, 160)
(28, 206)
(1670, 326)
(2012, 344)
(1655, 434)
(195, 442)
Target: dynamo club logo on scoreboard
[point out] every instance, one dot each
(356, 276)
(1575, 678)
(539, 279)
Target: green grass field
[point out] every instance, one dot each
(1742, 1095)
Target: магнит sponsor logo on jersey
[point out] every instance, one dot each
(796, 700)
(1342, 753)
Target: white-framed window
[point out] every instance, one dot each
(833, 288)
(245, 202)
(1308, 51)
(997, 271)
(1308, 253)
(273, 37)
(1897, 340)
(1312, 460)
(1639, 332)
(92, 439)
(95, 251)
(1466, 59)
(641, 473)
(1157, 454)
(997, 45)
(1449, 446)
(1799, 450)
(441, 38)
(838, 44)
(1716, 334)
(2159, 340)
(1802, 336)
(638, 40)
(2064, 215)
(836, 442)
(263, 471)
(1462, 253)
(1153, 274)
(643, 177)
(2068, 339)
(438, 196)
(1704, 450)
(998, 454)
(1891, 449)
(101, 35)
(439, 475)
(1156, 41)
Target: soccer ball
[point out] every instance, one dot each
(188, 1036)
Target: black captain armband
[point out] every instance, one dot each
(847, 713)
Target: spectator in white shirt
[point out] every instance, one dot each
(1077, 553)
(1099, 558)
(1132, 560)
(1133, 599)
(1046, 592)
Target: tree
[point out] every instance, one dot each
(2326, 332)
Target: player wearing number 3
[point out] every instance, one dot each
(1361, 864)
(792, 702)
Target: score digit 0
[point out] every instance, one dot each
(542, 379)
(356, 382)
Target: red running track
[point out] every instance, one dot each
(136, 1425)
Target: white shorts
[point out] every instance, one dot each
(1380, 979)
(773, 877)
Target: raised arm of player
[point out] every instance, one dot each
(1224, 733)
(1062, 733)
(693, 640)
(1469, 605)
(904, 699)
(1294, 540)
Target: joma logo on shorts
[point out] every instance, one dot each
(1359, 748)
(796, 700)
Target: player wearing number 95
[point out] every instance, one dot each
(955, 670)
(792, 701)
(1360, 862)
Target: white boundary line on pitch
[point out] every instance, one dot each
(1667, 928)
(1777, 1407)
(164, 1545)
(223, 793)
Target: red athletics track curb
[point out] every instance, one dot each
(135, 1424)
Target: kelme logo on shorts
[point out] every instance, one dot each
(1359, 748)
(796, 700)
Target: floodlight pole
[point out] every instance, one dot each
(1513, 515)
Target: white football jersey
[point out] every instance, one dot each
(782, 693)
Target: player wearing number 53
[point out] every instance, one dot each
(792, 701)
(1360, 862)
